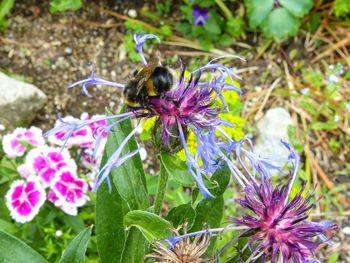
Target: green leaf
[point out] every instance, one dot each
(257, 11)
(212, 27)
(314, 22)
(235, 26)
(166, 31)
(74, 222)
(134, 248)
(329, 125)
(75, 252)
(7, 226)
(225, 40)
(177, 169)
(297, 7)
(206, 44)
(210, 211)
(152, 183)
(153, 227)
(15, 250)
(181, 214)
(64, 5)
(333, 258)
(341, 7)
(184, 28)
(307, 106)
(280, 24)
(129, 178)
(222, 179)
(110, 210)
(5, 8)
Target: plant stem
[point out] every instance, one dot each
(224, 8)
(78, 156)
(161, 189)
(263, 49)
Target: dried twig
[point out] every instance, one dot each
(333, 47)
(17, 43)
(330, 185)
(259, 114)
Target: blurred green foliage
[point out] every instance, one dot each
(64, 5)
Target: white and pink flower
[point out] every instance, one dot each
(95, 127)
(68, 192)
(24, 171)
(82, 138)
(12, 142)
(24, 199)
(87, 159)
(47, 162)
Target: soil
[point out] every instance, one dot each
(51, 52)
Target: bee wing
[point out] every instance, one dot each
(145, 74)
(140, 85)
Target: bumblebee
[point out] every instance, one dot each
(151, 81)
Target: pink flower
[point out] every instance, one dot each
(97, 126)
(51, 196)
(23, 170)
(25, 199)
(11, 142)
(68, 192)
(47, 163)
(82, 138)
(65, 207)
(87, 159)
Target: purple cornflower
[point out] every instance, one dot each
(200, 13)
(278, 230)
(188, 108)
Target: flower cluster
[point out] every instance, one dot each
(48, 172)
(278, 228)
(190, 108)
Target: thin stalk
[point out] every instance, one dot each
(78, 156)
(161, 189)
(263, 49)
(224, 9)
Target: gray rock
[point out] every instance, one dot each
(271, 129)
(132, 13)
(346, 230)
(19, 102)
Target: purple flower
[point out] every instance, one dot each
(201, 14)
(188, 108)
(278, 229)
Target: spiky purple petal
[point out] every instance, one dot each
(281, 231)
